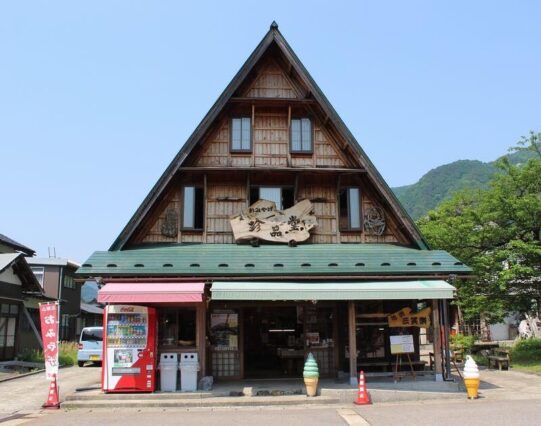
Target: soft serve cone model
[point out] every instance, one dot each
(311, 375)
(471, 377)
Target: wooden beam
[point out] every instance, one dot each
(275, 169)
(272, 101)
(352, 343)
(438, 366)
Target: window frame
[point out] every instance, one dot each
(240, 150)
(68, 281)
(301, 151)
(40, 270)
(182, 208)
(349, 227)
(281, 187)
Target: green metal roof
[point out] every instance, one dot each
(231, 260)
(340, 290)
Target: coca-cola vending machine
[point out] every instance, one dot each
(129, 349)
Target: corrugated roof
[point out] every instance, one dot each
(231, 260)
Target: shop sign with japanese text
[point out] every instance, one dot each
(49, 332)
(406, 318)
(264, 222)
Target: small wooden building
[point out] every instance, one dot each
(300, 244)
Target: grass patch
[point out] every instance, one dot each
(526, 355)
(67, 354)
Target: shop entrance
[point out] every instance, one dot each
(273, 341)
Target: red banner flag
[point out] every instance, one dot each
(49, 334)
(48, 313)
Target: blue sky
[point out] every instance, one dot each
(97, 97)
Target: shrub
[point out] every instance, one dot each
(67, 354)
(527, 351)
(461, 340)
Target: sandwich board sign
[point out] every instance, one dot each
(402, 344)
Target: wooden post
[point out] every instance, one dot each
(438, 367)
(253, 135)
(205, 208)
(352, 344)
(337, 212)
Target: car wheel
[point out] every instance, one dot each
(80, 363)
(97, 363)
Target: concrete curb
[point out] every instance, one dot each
(203, 402)
(31, 373)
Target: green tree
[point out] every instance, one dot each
(497, 232)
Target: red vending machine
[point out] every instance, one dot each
(129, 349)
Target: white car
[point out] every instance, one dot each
(90, 345)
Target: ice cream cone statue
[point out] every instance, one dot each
(471, 377)
(311, 375)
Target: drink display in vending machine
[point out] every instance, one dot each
(129, 345)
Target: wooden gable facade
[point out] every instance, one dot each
(271, 89)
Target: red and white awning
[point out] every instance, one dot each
(149, 292)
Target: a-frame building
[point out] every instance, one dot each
(273, 135)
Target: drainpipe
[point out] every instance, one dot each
(446, 347)
(60, 297)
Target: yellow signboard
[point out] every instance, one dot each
(405, 318)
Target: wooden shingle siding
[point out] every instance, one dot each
(227, 195)
(272, 88)
(271, 137)
(271, 83)
(225, 198)
(270, 146)
(153, 234)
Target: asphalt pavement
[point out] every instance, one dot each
(440, 413)
(27, 394)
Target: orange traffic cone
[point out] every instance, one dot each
(362, 395)
(53, 401)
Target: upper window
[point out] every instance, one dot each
(350, 208)
(301, 135)
(69, 282)
(192, 212)
(241, 134)
(39, 272)
(282, 196)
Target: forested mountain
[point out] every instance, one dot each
(440, 183)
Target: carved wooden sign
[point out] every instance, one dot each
(262, 221)
(406, 318)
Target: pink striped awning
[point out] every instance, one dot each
(148, 292)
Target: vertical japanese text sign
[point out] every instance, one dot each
(48, 313)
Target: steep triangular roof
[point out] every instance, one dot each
(273, 37)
